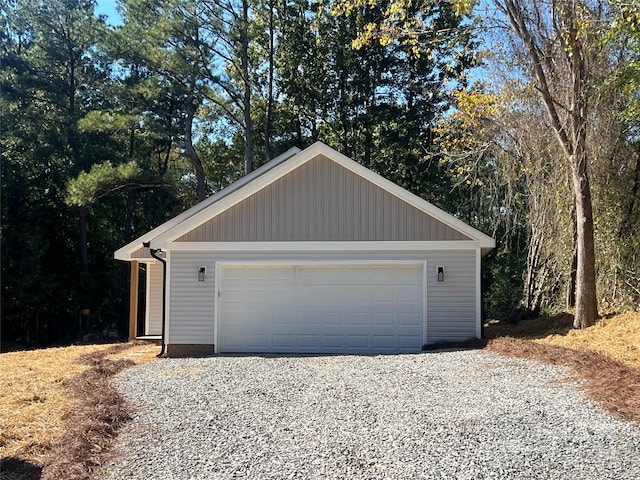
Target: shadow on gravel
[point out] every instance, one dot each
(12, 468)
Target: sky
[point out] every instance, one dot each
(108, 8)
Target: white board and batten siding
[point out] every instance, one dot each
(153, 312)
(191, 303)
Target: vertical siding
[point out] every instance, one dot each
(192, 303)
(451, 305)
(153, 316)
(321, 200)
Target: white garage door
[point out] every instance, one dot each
(320, 308)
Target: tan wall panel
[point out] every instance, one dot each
(322, 201)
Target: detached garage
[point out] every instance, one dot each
(311, 253)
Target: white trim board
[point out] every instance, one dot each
(322, 246)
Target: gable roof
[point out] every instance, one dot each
(178, 228)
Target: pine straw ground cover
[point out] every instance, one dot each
(606, 355)
(58, 409)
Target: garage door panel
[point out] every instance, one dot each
(283, 319)
(383, 341)
(236, 296)
(308, 319)
(406, 275)
(382, 294)
(330, 319)
(408, 319)
(354, 293)
(358, 319)
(381, 319)
(258, 340)
(307, 341)
(280, 340)
(236, 339)
(333, 341)
(407, 342)
(320, 308)
(337, 330)
(358, 341)
(410, 294)
(258, 274)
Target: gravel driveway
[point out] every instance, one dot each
(448, 414)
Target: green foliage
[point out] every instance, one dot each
(379, 103)
(103, 179)
(502, 282)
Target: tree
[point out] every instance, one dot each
(378, 103)
(563, 29)
(50, 79)
(231, 73)
(163, 40)
(555, 37)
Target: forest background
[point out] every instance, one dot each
(108, 130)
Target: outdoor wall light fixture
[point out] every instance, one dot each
(440, 271)
(202, 271)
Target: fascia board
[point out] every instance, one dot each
(125, 252)
(323, 246)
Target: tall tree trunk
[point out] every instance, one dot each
(571, 285)
(84, 253)
(246, 100)
(84, 269)
(532, 295)
(571, 134)
(586, 312)
(299, 131)
(192, 155)
(267, 120)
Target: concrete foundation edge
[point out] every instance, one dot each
(188, 350)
